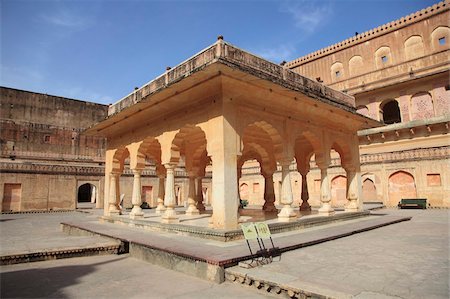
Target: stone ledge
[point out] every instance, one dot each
(57, 254)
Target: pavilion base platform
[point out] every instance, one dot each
(208, 258)
(197, 226)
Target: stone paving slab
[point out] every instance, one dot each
(111, 276)
(36, 237)
(406, 260)
(214, 253)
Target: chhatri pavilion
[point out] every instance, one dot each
(218, 109)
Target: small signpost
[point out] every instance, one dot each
(259, 231)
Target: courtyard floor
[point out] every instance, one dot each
(404, 260)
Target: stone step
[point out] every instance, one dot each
(53, 254)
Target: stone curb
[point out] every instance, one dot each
(57, 254)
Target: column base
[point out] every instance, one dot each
(136, 212)
(115, 211)
(305, 206)
(192, 211)
(270, 207)
(326, 210)
(352, 206)
(160, 209)
(287, 214)
(170, 216)
(201, 207)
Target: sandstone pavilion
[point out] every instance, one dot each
(211, 113)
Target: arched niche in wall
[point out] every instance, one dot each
(414, 47)
(363, 110)
(440, 38)
(390, 112)
(337, 71)
(401, 185)
(369, 190)
(383, 57)
(421, 106)
(355, 65)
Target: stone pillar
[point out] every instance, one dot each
(136, 198)
(305, 195)
(160, 207)
(114, 193)
(170, 215)
(354, 203)
(192, 209)
(269, 193)
(199, 197)
(287, 212)
(325, 192)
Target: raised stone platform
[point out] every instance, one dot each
(197, 226)
(206, 258)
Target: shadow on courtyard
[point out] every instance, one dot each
(45, 282)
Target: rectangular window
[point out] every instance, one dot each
(338, 74)
(442, 40)
(384, 59)
(47, 138)
(433, 179)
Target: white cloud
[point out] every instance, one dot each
(277, 54)
(67, 19)
(84, 94)
(308, 14)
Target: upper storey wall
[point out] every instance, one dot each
(413, 46)
(30, 107)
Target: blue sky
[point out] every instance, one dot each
(100, 50)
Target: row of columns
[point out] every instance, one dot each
(166, 200)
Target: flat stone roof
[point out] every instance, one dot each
(233, 56)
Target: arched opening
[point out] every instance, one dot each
(85, 193)
(390, 112)
(401, 185)
(369, 191)
(339, 191)
(251, 185)
(188, 150)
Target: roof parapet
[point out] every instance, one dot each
(372, 33)
(236, 57)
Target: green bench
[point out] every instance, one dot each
(413, 203)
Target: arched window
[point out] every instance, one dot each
(440, 38)
(414, 47)
(390, 112)
(383, 57)
(337, 72)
